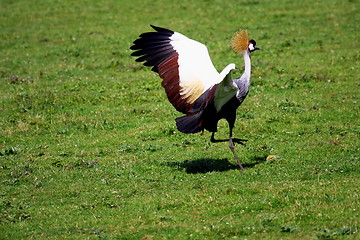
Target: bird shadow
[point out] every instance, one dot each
(206, 165)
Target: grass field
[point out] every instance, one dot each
(89, 147)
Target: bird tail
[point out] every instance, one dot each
(189, 123)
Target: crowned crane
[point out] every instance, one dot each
(192, 84)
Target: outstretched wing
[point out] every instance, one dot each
(183, 64)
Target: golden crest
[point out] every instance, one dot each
(240, 41)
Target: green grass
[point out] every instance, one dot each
(89, 147)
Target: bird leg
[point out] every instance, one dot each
(232, 148)
(231, 145)
(212, 139)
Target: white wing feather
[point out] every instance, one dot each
(196, 70)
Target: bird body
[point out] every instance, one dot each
(193, 85)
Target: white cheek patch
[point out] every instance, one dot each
(251, 47)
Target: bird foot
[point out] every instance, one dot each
(240, 141)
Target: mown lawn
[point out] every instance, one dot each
(89, 147)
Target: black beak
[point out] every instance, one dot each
(255, 48)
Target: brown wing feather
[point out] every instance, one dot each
(169, 72)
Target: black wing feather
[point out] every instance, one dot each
(152, 48)
(163, 30)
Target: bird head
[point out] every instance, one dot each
(240, 42)
(252, 45)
